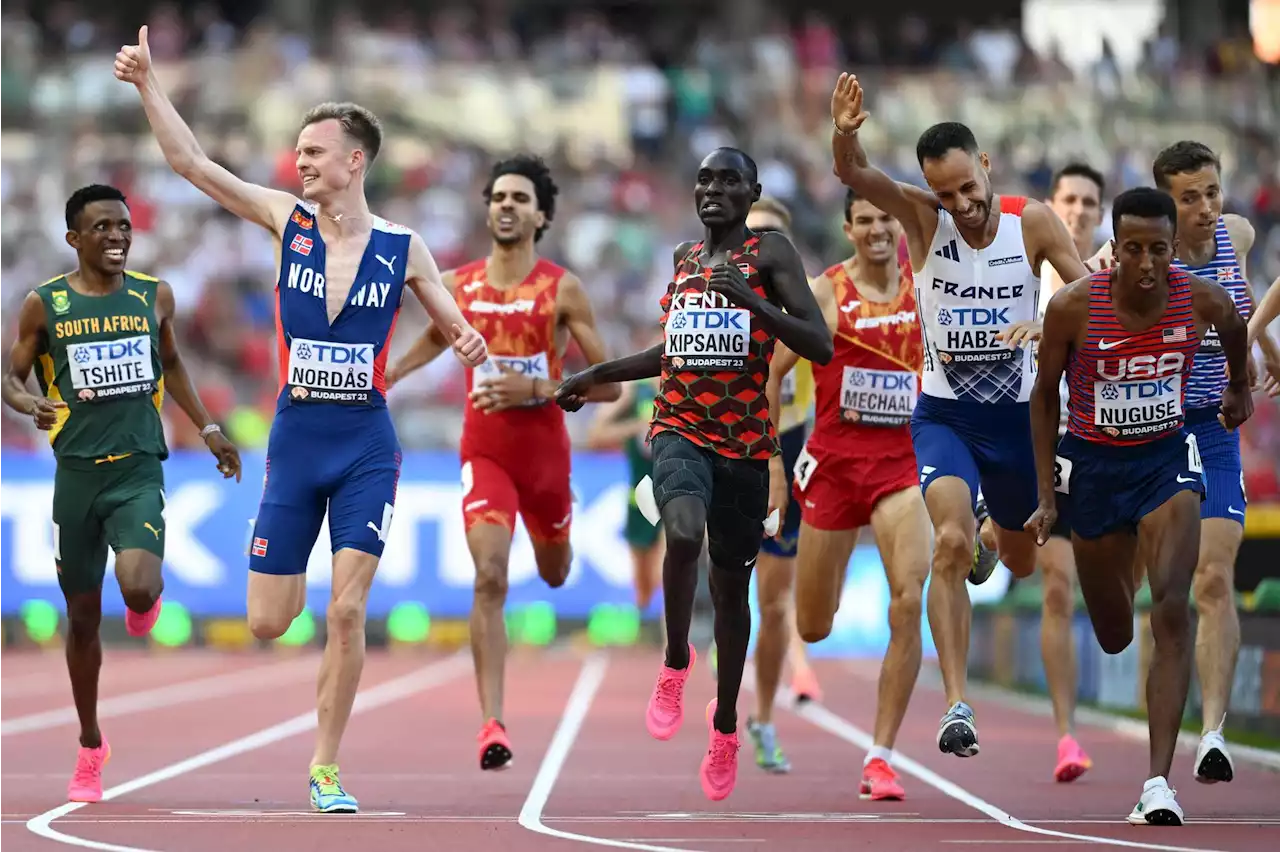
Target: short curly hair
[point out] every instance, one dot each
(544, 186)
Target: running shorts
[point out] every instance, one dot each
(1109, 488)
(734, 491)
(840, 492)
(1223, 472)
(118, 503)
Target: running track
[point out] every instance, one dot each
(210, 752)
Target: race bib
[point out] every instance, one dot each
(531, 366)
(321, 371)
(806, 464)
(968, 335)
(787, 389)
(113, 369)
(1062, 475)
(1137, 409)
(713, 339)
(877, 397)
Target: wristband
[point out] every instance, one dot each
(209, 430)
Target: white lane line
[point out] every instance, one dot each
(183, 692)
(828, 721)
(391, 691)
(575, 713)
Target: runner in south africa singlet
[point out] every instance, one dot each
(517, 459)
(332, 443)
(1219, 448)
(712, 435)
(972, 419)
(1127, 450)
(860, 450)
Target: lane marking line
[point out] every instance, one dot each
(1122, 725)
(428, 677)
(171, 695)
(575, 713)
(842, 728)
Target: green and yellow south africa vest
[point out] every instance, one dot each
(103, 360)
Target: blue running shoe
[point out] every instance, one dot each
(327, 795)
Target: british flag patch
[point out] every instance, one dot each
(302, 245)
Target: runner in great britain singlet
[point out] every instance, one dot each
(517, 459)
(972, 419)
(332, 441)
(1219, 448)
(1127, 449)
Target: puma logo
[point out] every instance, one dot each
(389, 264)
(141, 297)
(155, 532)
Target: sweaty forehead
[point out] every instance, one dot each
(951, 171)
(322, 134)
(104, 211)
(512, 184)
(1201, 179)
(1143, 229)
(724, 162)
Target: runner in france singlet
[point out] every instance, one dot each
(966, 296)
(715, 363)
(1127, 387)
(1209, 375)
(343, 363)
(866, 394)
(519, 326)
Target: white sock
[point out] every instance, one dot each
(1153, 783)
(880, 752)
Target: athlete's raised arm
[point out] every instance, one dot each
(22, 356)
(261, 205)
(915, 208)
(1062, 318)
(798, 322)
(422, 275)
(1214, 306)
(579, 317)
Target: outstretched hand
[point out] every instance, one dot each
(133, 62)
(572, 393)
(846, 104)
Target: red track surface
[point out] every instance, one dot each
(412, 762)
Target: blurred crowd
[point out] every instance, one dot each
(622, 108)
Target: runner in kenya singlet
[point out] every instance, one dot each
(716, 364)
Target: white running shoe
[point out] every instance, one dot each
(1213, 763)
(1157, 805)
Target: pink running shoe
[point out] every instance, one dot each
(719, 770)
(1072, 761)
(141, 624)
(86, 783)
(880, 782)
(666, 705)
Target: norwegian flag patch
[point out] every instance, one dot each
(259, 546)
(302, 245)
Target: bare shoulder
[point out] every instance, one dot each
(1241, 232)
(776, 246)
(682, 251)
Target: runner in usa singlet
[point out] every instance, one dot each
(715, 364)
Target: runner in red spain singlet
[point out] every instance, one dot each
(858, 467)
(733, 294)
(1128, 467)
(515, 450)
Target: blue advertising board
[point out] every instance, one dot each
(208, 520)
